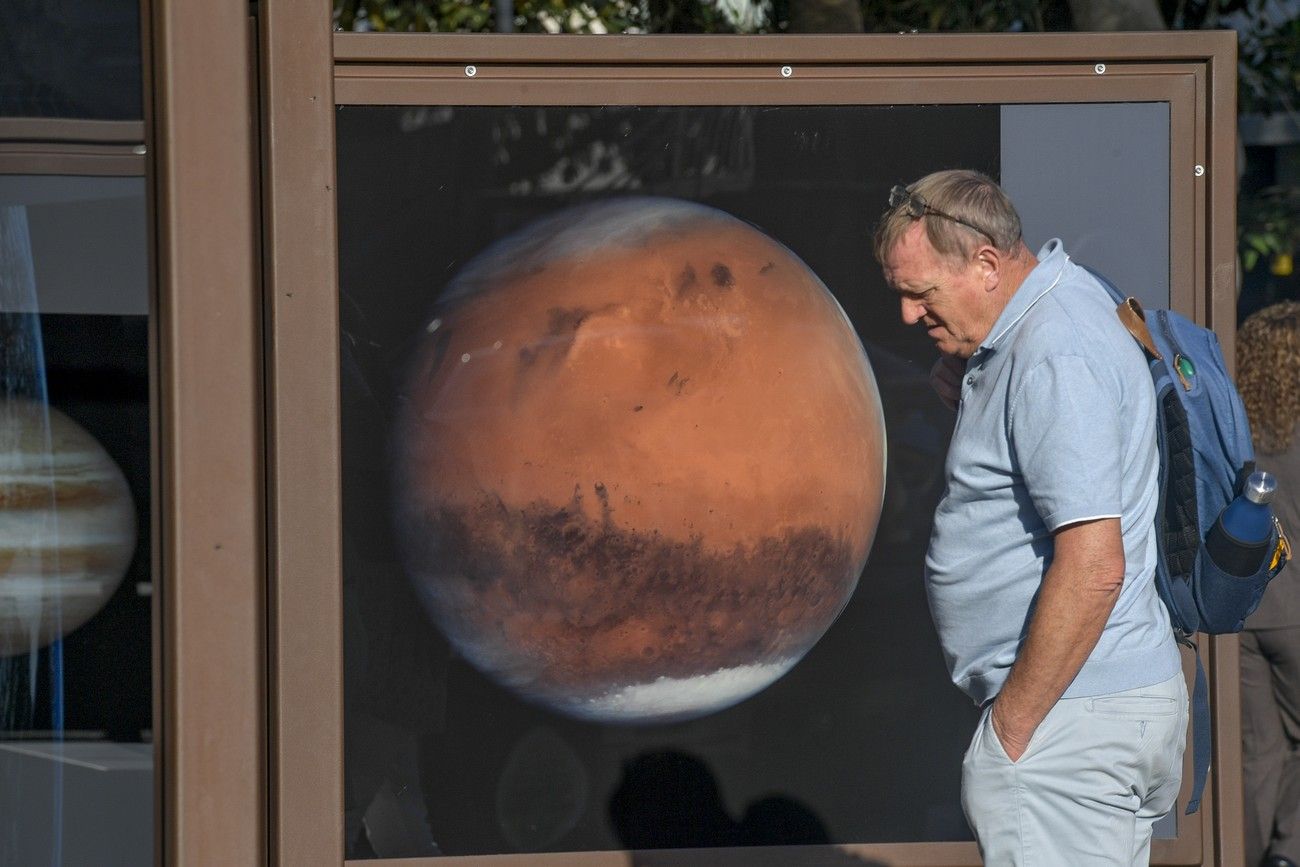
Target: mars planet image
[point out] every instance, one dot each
(639, 461)
(67, 526)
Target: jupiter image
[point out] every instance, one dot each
(639, 461)
(67, 526)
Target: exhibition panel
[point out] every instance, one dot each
(636, 460)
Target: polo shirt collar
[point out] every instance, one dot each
(1052, 261)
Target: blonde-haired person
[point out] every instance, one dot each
(1268, 377)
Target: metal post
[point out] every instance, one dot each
(505, 16)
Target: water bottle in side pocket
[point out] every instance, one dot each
(1238, 541)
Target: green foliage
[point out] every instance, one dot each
(1268, 225)
(1270, 70)
(973, 16)
(691, 16)
(412, 16)
(479, 16)
(1270, 54)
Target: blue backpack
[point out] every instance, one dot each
(1205, 456)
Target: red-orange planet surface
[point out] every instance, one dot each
(640, 463)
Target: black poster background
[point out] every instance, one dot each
(862, 741)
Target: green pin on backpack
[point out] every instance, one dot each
(1186, 370)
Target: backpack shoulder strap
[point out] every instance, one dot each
(1130, 313)
(1201, 746)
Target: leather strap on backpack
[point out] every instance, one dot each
(1135, 320)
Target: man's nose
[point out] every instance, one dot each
(912, 311)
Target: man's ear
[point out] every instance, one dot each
(988, 260)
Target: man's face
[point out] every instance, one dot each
(952, 300)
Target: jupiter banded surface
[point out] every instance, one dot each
(640, 461)
(67, 526)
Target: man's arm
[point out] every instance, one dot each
(1076, 598)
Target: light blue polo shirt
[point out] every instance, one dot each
(1056, 425)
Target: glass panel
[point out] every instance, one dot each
(1097, 177)
(71, 59)
(615, 383)
(76, 704)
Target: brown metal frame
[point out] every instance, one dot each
(57, 146)
(209, 611)
(305, 597)
(1193, 72)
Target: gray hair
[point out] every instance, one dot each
(968, 196)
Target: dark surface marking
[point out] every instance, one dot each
(577, 605)
(722, 276)
(686, 281)
(564, 321)
(606, 512)
(767, 268)
(562, 324)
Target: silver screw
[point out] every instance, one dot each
(139, 150)
(1100, 69)
(1199, 170)
(787, 71)
(471, 71)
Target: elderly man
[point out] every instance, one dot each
(1039, 571)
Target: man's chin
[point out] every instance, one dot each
(945, 346)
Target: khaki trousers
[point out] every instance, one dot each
(1097, 775)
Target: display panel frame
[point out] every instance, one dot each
(1193, 73)
(56, 146)
(210, 610)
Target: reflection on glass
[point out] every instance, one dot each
(74, 59)
(75, 644)
(641, 461)
(67, 525)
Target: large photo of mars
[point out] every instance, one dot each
(640, 460)
(638, 469)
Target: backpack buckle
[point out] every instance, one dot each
(1282, 553)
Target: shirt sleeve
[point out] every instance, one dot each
(1067, 441)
